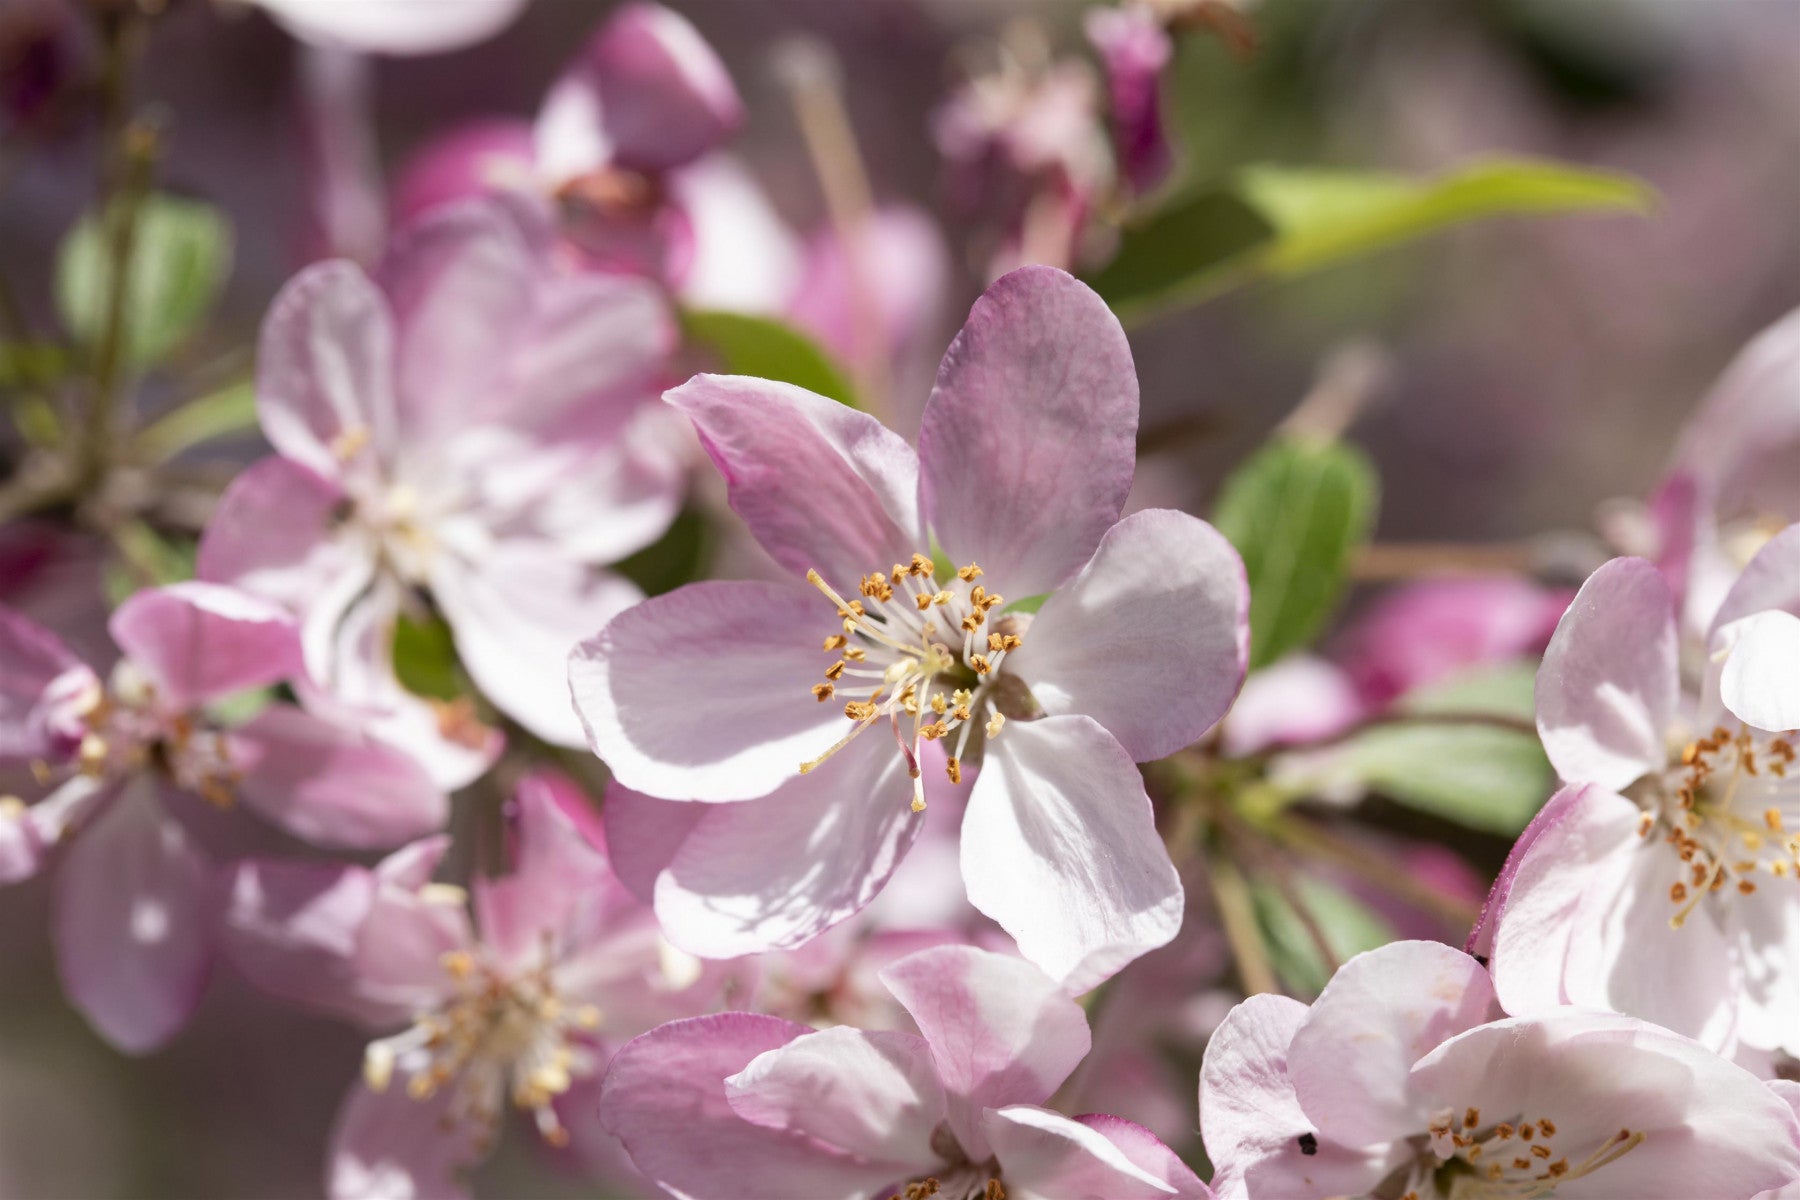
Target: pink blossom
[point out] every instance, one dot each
(720, 693)
(1405, 1078)
(468, 426)
(1134, 47)
(746, 1107)
(516, 1007)
(126, 764)
(403, 27)
(1661, 882)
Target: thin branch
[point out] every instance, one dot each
(1237, 915)
(1372, 867)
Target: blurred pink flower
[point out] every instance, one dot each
(517, 1007)
(1406, 1076)
(745, 1107)
(122, 763)
(1134, 47)
(468, 424)
(713, 692)
(1661, 882)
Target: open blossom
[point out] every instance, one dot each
(466, 426)
(627, 145)
(126, 764)
(798, 713)
(1405, 1081)
(514, 1008)
(739, 1106)
(1662, 882)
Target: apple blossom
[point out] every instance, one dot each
(467, 425)
(739, 1106)
(515, 1007)
(1404, 1080)
(127, 765)
(720, 692)
(1662, 881)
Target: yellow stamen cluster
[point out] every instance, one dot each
(1518, 1158)
(916, 645)
(1719, 845)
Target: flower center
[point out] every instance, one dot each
(928, 654)
(1726, 808)
(1511, 1160)
(497, 1036)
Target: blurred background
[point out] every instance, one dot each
(1532, 368)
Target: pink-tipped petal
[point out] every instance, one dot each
(386, 1145)
(705, 693)
(823, 487)
(517, 613)
(1000, 1030)
(332, 785)
(656, 90)
(1147, 1152)
(1255, 1130)
(1150, 639)
(779, 870)
(1043, 1153)
(1348, 1062)
(201, 641)
(292, 929)
(1606, 691)
(325, 372)
(872, 1095)
(1060, 847)
(133, 922)
(664, 1097)
(1028, 442)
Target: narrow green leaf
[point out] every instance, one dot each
(1296, 511)
(1270, 221)
(1348, 925)
(230, 410)
(1325, 216)
(425, 658)
(1508, 690)
(1479, 776)
(181, 255)
(768, 349)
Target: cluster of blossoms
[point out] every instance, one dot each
(881, 892)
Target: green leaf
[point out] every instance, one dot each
(1479, 776)
(1270, 221)
(230, 410)
(1296, 511)
(180, 257)
(1508, 690)
(768, 349)
(1324, 216)
(679, 556)
(425, 658)
(1348, 925)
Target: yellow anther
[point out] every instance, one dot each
(968, 573)
(933, 731)
(939, 705)
(923, 600)
(994, 723)
(822, 691)
(920, 565)
(835, 671)
(943, 598)
(1772, 818)
(836, 641)
(953, 768)
(859, 710)
(979, 664)
(350, 442)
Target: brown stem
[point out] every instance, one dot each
(1386, 562)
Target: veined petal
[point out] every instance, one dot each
(1606, 691)
(822, 486)
(1255, 1130)
(1148, 1154)
(199, 641)
(1028, 442)
(1383, 1011)
(133, 922)
(1060, 847)
(331, 785)
(325, 372)
(1150, 639)
(1760, 684)
(1045, 1154)
(779, 870)
(871, 1095)
(705, 693)
(1000, 1030)
(664, 1097)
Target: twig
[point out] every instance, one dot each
(1384, 562)
(1371, 866)
(1237, 914)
